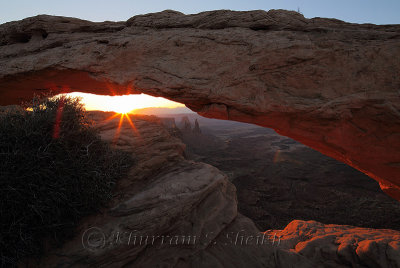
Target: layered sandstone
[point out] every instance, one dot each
(331, 85)
(172, 212)
(167, 212)
(329, 245)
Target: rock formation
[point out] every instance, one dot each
(340, 245)
(331, 85)
(185, 124)
(196, 128)
(168, 122)
(171, 212)
(278, 180)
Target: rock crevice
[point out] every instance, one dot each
(331, 85)
(172, 212)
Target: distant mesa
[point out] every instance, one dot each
(185, 124)
(168, 122)
(328, 84)
(162, 111)
(196, 128)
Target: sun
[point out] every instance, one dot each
(123, 104)
(122, 117)
(123, 109)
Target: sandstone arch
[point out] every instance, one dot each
(331, 85)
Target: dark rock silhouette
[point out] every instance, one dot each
(185, 124)
(279, 180)
(169, 122)
(196, 128)
(166, 195)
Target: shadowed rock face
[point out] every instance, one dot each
(341, 245)
(331, 85)
(172, 212)
(167, 212)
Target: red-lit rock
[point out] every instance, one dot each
(332, 245)
(166, 195)
(331, 85)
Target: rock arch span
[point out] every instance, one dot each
(331, 85)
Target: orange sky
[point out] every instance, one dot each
(123, 104)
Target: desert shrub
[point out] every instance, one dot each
(54, 169)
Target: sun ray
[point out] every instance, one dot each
(57, 123)
(112, 117)
(117, 132)
(132, 125)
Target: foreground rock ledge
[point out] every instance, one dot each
(168, 196)
(331, 85)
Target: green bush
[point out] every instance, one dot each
(54, 169)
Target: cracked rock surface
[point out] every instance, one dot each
(329, 245)
(168, 211)
(172, 212)
(332, 85)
